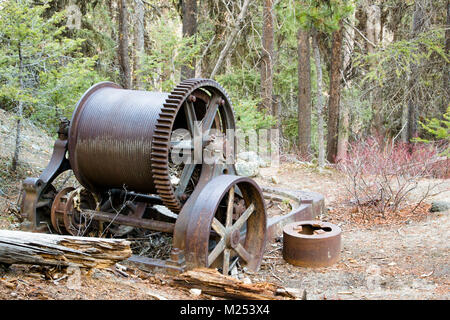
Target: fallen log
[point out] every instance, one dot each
(18, 247)
(211, 282)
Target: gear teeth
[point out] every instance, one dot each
(160, 140)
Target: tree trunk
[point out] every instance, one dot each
(304, 94)
(189, 13)
(343, 133)
(404, 121)
(416, 28)
(230, 40)
(276, 113)
(321, 157)
(139, 43)
(344, 117)
(373, 27)
(124, 59)
(198, 63)
(446, 71)
(212, 282)
(267, 57)
(335, 96)
(373, 30)
(49, 249)
(348, 45)
(15, 159)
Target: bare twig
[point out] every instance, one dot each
(230, 40)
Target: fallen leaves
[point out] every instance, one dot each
(371, 217)
(8, 284)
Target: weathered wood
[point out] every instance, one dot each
(211, 282)
(49, 249)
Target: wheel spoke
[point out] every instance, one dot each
(226, 261)
(237, 190)
(211, 111)
(182, 144)
(244, 217)
(216, 251)
(243, 253)
(235, 260)
(230, 207)
(185, 178)
(218, 227)
(190, 115)
(43, 203)
(189, 143)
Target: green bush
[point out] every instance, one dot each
(440, 129)
(249, 118)
(40, 69)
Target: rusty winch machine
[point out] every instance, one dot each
(122, 145)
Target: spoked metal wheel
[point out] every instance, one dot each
(227, 223)
(66, 216)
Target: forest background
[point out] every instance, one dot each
(329, 74)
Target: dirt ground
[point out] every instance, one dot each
(405, 258)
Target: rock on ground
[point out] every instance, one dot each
(439, 206)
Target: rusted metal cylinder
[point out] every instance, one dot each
(110, 137)
(311, 243)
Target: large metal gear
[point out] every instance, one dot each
(217, 113)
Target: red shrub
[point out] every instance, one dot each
(382, 176)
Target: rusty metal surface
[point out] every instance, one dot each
(66, 219)
(121, 137)
(311, 243)
(38, 194)
(192, 89)
(275, 225)
(305, 206)
(137, 222)
(75, 223)
(110, 138)
(211, 208)
(58, 210)
(119, 145)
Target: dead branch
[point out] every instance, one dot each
(234, 32)
(211, 282)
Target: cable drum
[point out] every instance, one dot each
(121, 138)
(111, 135)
